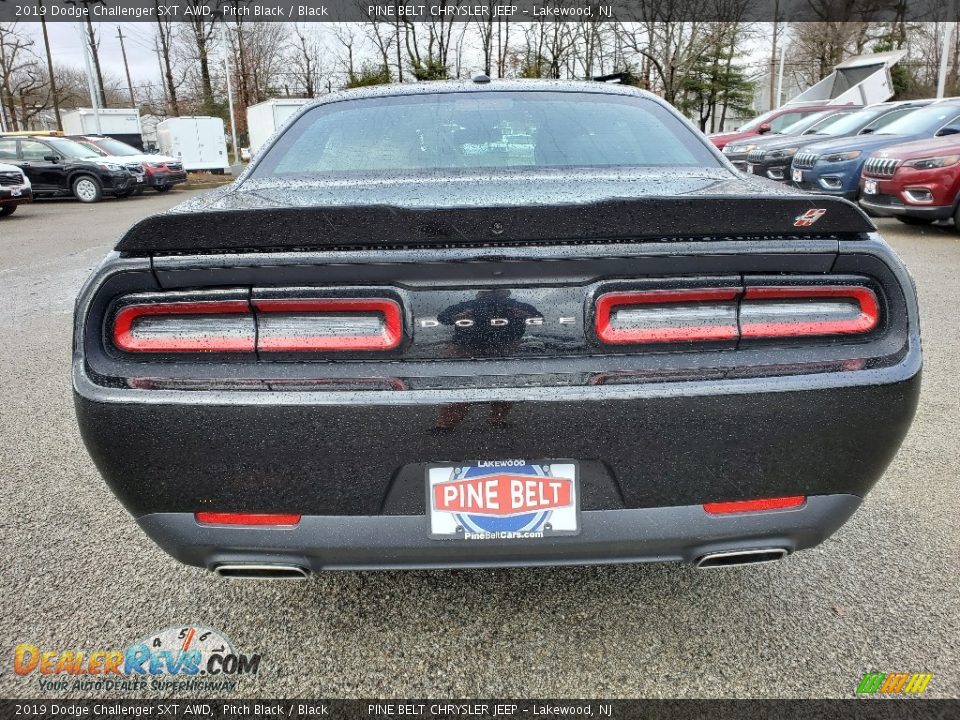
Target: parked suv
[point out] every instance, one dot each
(162, 171)
(833, 167)
(773, 121)
(738, 152)
(14, 189)
(58, 166)
(917, 182)
(771, 156)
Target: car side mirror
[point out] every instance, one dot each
(52, 158)
(764, 128)
(948, 131)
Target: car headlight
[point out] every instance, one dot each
(784, 153)
(933, 162)
(841, 157)
(112, 167)
(737, 149)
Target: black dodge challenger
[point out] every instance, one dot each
(494, 323)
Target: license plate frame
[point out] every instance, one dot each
(797, 175)
(869, 187)
(523, 500)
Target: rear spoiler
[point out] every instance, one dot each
(372, 226)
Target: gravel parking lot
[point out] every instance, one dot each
(881, 595)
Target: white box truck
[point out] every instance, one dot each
(199, 142)
(120, 123)
(263, 119)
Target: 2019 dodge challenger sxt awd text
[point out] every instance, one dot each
(502, 323)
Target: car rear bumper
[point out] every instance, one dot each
(682, 533)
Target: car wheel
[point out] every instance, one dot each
(907, 220)
(86, 189)
(163, 188)
(7, 210)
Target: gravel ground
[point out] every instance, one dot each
(880, 595)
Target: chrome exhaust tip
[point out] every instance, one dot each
(734, 558)
(269, 571)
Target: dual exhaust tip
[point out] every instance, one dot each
(734, 558)
(282, 571)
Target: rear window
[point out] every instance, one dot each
(485, 130)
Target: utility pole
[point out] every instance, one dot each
(126, 67)
(53, 80)
(92, 38)
(774, 101)
(94, 101)
(233, 119)
(944, 59)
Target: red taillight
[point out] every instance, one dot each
(328, 324)
(268, 325)
(744, 506)
(785, 311)
(201, 326)
(717, 314)
(250, 519)
(660, 316)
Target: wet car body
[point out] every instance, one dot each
(917, 181)
(771, 157)
(610, 322)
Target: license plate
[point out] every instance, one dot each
(15, 193)
(139, 178)
(870, 187)
(749, 169)
(797, 175)
(503, 500)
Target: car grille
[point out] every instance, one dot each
(755, 156)
(805, 159)
(135, 168)
(175, 166)
(11, 178)
(881, 167)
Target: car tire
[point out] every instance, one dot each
(163, 188)
(7, 210)
(908, 220)
(86, 189)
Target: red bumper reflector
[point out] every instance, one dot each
(785, 311)
(250, 519)
(328, 324)
(661, 316)
(201, 326)
(742, 506)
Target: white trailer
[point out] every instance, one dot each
(862, 80)
(263, 119)
(120, 123)
(198, 142)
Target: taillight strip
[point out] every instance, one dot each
(743, 506)
(387, 338)
(247, 519)
(866, 320)
(607, 304)
(125, 337)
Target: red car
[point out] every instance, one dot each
(916, 182)
(773, 121)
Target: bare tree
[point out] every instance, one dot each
(164, 39)
(305, 62)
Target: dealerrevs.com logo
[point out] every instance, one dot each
(189, 658)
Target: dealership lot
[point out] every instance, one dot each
(880, 595)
